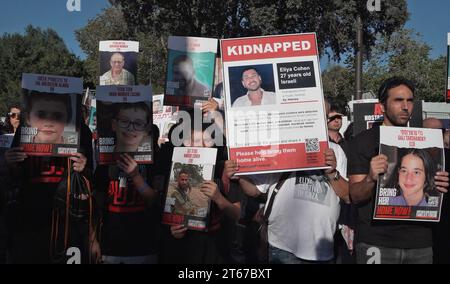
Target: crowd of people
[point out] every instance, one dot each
(333, 225)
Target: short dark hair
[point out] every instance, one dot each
(391, 83)
(249, 68)
(183, 172)
(31, 97)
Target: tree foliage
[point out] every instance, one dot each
(333, 21)
(36, 51)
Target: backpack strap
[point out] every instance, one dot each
(269, 205)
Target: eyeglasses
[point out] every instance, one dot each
(334, 117)
(138, 125)
(50, 115)
(14, 115)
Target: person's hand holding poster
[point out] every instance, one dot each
(50, 124)
(190, 70)
(185, 203)
(124, 123)
(118, 62)
(274, 103)
(407, 191)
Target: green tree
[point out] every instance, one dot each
(333, 21)
(405, 54)
(338, 83)
(36, 51)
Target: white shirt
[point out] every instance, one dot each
(305, 211)
(268, 98)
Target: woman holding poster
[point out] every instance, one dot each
(414, 179)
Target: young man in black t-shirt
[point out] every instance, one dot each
(386, 242)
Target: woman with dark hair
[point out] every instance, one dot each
(415, 179)
(12, 121)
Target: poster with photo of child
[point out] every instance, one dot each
(124, 123)
(51, 107)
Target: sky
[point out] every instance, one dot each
(431, 18)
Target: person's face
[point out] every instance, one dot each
(130, 126)
(336, 123)
(411, 175)
(183, 181)
(399, 106)
(156, 106)
(447, 139)
(49, 117)
(251, 80)
(117, 62)
(183, 73)
(14, 117)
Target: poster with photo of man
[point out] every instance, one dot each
(274, 103)
(124, 123)
(118, 62)
(51, 109)
(407, 191)
(190, 70)
(185, 204)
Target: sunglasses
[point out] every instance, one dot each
(330, 119)
(14, 115)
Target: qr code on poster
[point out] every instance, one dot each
(312, 145)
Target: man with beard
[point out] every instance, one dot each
(381, 242)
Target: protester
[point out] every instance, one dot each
(193, 247)
(396, 241)
(12, 120)
(29, 214)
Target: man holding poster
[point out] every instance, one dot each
(382, 242)
(294, 199)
